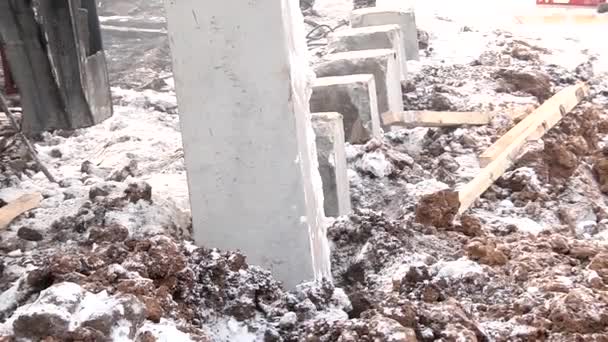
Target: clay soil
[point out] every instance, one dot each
(108, 255)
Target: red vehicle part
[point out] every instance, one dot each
(9, 84)
(586, 3)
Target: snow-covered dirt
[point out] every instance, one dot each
(107, 255)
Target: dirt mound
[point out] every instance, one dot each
(535, 83)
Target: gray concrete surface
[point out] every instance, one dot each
(369, 38)
(329, 133)
(243, 93)
(354, 96)
(381, 63)
(406, 19)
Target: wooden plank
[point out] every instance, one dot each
(519, 113)
(540, 120)
(17, 207)
(434, 119)
(543, 118)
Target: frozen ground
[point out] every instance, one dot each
(104, 256)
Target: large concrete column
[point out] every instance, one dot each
(243, 86)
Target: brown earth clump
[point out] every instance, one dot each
(535, 83)
(438, 209)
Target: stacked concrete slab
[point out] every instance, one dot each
(332, 163)
(355, 97)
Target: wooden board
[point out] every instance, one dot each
(17, 207)
(540, 120)
(434, 119)
(543, 118)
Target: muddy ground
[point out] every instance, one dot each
(108, 256)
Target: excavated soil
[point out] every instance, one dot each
(526, 263)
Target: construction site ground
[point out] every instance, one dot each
(107, 254)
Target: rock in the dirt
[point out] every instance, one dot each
(111, 233)
(523, 53)
(56, 153)
(599, 264)
(600, 169)
(29, 234)
(375, 164)
(470, 226)
(449, 316)
(535, 83)
(485, 252)
(288, 320)
(111, 313)
(139, 191)
(578, 311)
(440, 102)
(50, 314)
(438, 209)
(423, 39)
(561, 161)
(123, 172)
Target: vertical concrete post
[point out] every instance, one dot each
(354, 97)
(243, 86)
(332, 163)
(381, 63)
(369, 38)
(406, 19)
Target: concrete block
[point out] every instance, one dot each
(381, 63)
(332, 163)
(354, 96)
(243, 87)
(406, 19)
(370, 38)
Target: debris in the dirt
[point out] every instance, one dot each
(523, 53)
(139, 191)
(423, 39)
(485, 251)
(600, 168)
(123, 172)
(438, 209)
(17, 207)
(32, 151)
(532, 82)
(434, 119)
(29, 234)
(470, 226)
(56, 153)
(440, 102)
(506, 148)
(537, 123)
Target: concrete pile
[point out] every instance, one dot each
(361, 76)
